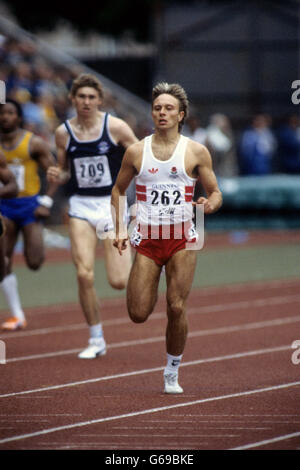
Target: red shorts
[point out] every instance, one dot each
(160, 243)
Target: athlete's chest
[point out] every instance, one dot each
(163, 153)
(86, 136)
(17, 151)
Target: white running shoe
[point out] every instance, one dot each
(96, 348)
(13, 324)
(171, 383)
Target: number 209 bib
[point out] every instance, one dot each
(92, 172)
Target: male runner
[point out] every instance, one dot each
(8, 189)
(25, 154)
(166, 166)
(90, 148)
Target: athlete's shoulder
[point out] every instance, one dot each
(134, 153)
(61, 134)
(137, 147)
(23, 136)
(197, 149)
(61, 130)
(38, 147)
(115, 121)
(121, 132)
(25, 133)
(195, 146)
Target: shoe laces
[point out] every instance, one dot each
(171, 378)
(96, 341)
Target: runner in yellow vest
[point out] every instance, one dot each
(25, 154)
(8, 188)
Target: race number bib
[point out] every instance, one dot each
(92, 172)
(19, 172)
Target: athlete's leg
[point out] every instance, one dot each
(179, 276)
(117, 267)
(34, 251)
(83, 244)
(9, 284)
(11, 238)
(142, 288)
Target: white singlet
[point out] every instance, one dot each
(164, 191)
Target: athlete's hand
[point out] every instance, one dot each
(41, 212)
(53, 174)
(120, 244)
(57, 175)
(208, 206)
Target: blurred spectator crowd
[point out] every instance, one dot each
(261, 148)
(42, 87)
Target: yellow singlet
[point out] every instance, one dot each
(23, 166)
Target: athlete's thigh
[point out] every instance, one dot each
(83, 242)
(143, 283)
(117, 266)
(180, 270)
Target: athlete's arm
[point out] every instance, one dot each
(127, 172)
(7, 178)
(60, 173)
(206, 175)
(40, 152)
(121, 132)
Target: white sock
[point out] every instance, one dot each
(96, 331)
(10, 288)
(173, 363)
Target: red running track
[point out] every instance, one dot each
(241, 388)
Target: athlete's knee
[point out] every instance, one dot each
(85, 277)
(140, 310)
(118, 283)
(176, 308)
(118, 278)
(137, 316)
(35, 262)
(138, 313)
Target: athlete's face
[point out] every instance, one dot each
(165, 112)
(9, 119)
(86, 100)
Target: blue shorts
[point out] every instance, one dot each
(20, 210)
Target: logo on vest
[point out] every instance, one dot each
(103, 147)
(153, 171)
(173, 172)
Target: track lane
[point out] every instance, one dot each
(269, 320)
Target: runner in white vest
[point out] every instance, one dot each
(166, 166)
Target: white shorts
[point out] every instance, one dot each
(96, 210)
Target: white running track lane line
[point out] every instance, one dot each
(195, 294)
(148, 371)
(144, 412)
(194, 334)
(267, 441)
(206, 309)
